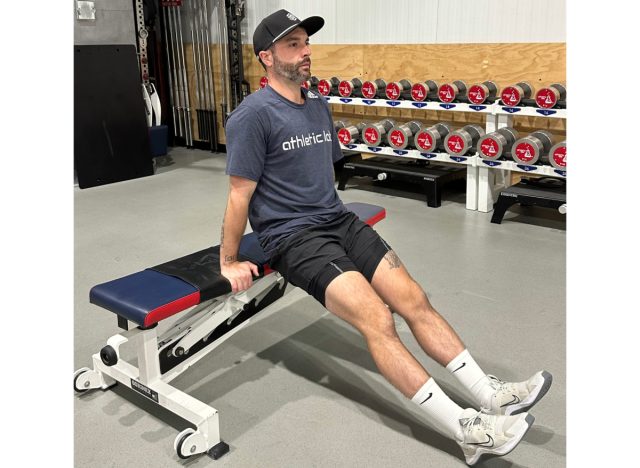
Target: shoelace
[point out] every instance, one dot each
(501, 388)
(483, 422)
(498, 384)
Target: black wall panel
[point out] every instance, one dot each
(111, 139)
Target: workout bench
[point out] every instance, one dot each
(210, 314)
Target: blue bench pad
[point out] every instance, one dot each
(150, 296)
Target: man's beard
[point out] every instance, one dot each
(292, 71)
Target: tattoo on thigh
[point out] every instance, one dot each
(393, 259)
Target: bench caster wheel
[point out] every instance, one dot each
(76, 375)
(182, 451)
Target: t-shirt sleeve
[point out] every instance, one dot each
(336, 151)
(246, 144)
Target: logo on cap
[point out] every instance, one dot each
(292, 17)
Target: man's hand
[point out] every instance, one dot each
(239, 274)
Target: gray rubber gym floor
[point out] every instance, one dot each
(297, 387)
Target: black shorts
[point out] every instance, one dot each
(310, 259)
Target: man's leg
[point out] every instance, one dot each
(437, 338)
(351, 297)
(403, 294)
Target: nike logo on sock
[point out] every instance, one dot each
(430, 395)
(463, 364)
(486, 443)
(515, 400)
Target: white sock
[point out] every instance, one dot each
(468, 372)
(443, 412)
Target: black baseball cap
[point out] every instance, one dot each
(279, 24)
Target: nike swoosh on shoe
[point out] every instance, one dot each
(516, 400)
(485, 443)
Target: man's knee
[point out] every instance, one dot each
(351, 297)
(415, 304)
(378, 323)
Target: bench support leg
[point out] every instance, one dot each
(150, 381)
(203, 437)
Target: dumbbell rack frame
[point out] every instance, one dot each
(485, 179)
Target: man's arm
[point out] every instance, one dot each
(238, 273)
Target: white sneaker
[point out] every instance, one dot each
(516, 397)
(486, 434)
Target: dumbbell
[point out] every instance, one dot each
(558, 155)
(373, 133)
(398, 90)
(532, 148)
(329, 87)
(400, 136)
(264, 81)
(463, 140)
(347, 88)
(513, 95)
(450, 92)
(498, 144)
(482, 92)
(338, 124)
(429, 140)
(547, 98)
(312, 83)
(374, 89)
(350, 134)
(424, 90)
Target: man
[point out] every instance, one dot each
(281, 147)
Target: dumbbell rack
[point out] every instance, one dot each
(490, 181)
(482, 183)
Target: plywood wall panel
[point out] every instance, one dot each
(506, 64)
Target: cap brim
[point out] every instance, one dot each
(312, 24)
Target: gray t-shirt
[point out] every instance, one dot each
(289, 150)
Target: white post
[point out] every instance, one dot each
(148, 360)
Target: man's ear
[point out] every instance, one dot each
(267, 57)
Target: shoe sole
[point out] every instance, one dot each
(507, 448)
(533, 398)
